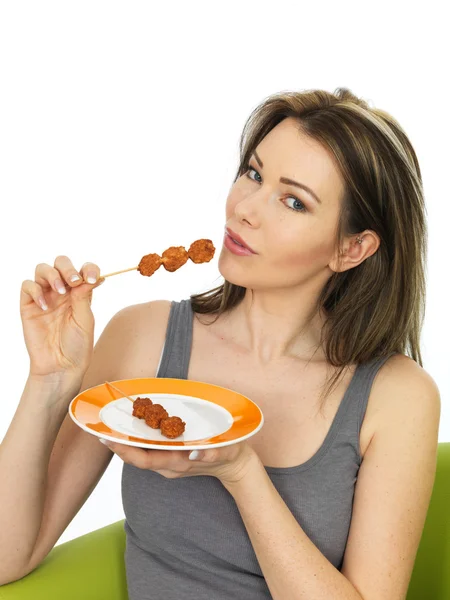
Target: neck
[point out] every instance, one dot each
(277, 324)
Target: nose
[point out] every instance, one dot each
(246, 211)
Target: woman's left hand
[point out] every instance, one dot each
(227, 463)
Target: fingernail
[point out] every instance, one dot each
(103, 441)
(91, 278)
(194, 455)
(42, 303)
(60, 286)
(75, 278)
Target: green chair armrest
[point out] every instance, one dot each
(90, 567)
(431, 574)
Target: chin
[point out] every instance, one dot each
(238, 273)
(232, 271)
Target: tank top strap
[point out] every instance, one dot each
(347, 423)
(362, 385)
(178, 343)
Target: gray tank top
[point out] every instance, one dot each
(185, 537)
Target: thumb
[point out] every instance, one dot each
(82, 297)
(196, 455)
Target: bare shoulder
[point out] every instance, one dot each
(403, 370)
(150, 312)
(403, 391)
(143, 333)
(154, 314)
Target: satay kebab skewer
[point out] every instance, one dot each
(173, 258)
(155, 415)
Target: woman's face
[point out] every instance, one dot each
(291, 232)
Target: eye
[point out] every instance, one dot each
(298, 205)
(248, 169)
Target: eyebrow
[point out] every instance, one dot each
(290, 181)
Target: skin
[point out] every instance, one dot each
(274, 333)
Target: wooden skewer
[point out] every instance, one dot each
(117, 389)
(125, 270)
(117, 272)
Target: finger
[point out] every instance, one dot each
(69, 275)
(173, 460)
(60, 277)
(131, 455)
(215, 455)
(208, 456)
(196, 455)
(90, 272)
(32, 292)
(156, 460)
(49, 278)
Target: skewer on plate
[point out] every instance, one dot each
(120, 391)
(155, 415)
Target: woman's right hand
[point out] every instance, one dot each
(59, 340)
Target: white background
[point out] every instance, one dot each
(119, 131)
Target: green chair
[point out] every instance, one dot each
(91, 567)
(431, 575)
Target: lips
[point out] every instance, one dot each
(237, 238)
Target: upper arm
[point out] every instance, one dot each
(395, 482)
(78, 460)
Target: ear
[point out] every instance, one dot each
(354, 253)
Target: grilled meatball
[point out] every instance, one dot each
(149, 264)
(153, 415)
(174, 257)
(201, 251)
(172, 427)
(139, 406)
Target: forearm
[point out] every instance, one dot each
(292, 565)
(24, 458)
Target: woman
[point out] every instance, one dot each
(318, 322)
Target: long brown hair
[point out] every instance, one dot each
(376, 308)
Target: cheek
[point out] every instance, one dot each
(301, 249)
